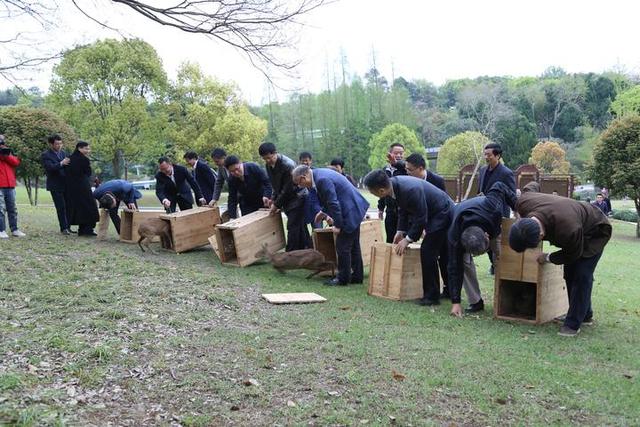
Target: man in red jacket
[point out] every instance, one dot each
(8, 165)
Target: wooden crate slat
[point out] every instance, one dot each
(395, 277)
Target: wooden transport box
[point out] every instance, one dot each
(395, 277)
(131, 220)
(324, 240)
(191, 228)
(237, 241)
(526, 291)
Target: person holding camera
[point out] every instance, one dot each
(8, 164)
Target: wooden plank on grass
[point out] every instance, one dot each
(293, 298)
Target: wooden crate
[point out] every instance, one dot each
(324, 240)
(395, 277)
(526, 291)
(131, 220)
(191, 228)
(237, 241)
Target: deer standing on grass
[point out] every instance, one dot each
(152, 227)
(308, 259)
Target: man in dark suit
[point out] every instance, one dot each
(476, 224)
(494, 172)
(249, 187)
(416, 166)
(172, 186)
(109, 195)
(285, 197)
(202, 173)
(218, 155)
(54, 161)
(580, 230)
(344, 208)
(421, 207)
(395, 167)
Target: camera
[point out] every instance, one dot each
(5, 151)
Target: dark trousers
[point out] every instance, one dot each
(443, 260)
(431, 247)
(390, 225)
(297, 231)
(60, 203)
(113, 214)
(579, 279)
(183, 204)
(350, 267)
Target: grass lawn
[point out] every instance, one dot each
(97, 333)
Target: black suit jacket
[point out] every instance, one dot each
(500, 174)
(50, 160)
(206, 179)
(166, 189)
(422, 205)
(248, 192)
(436, 180)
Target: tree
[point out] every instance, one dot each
(617, 160)
(103, 90)
(483, 103)
(627, 103)
(549, 157)
(461, 150)
(26, 130)
(395, 132)
(517, 136)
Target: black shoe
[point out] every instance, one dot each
(66, 232)
(428, 302)
(355, 282)
(89, 234)
(73, 231)
(474, 308)
(334, 282)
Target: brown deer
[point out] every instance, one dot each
(152, 227)
(308, 259)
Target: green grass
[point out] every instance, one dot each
(98, 332)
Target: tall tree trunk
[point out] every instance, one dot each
(27, 185)
(37, 188)
(637, 203)
(116, 164)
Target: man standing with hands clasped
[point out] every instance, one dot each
(54, 161)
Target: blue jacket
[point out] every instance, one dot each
(421, 205)
(340, 199)
(206, 179)
(501, 173)
(248, 193)
(482, 211)
(167, 189)
(121, 189)
(50, 160)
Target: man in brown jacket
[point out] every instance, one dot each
(580, 230)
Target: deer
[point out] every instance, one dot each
(152, 227)
(308, 259)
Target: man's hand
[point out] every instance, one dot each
(131, 206)
(336, 230)
(329, 220)
(399, 236)
(401, 246)
(213, 203)
(65, 161)
(320, 216)
(266, 202)
(273, 209)
(166, 203)
(456, 310)
(202, 201)
(542, 258)
(380, 214)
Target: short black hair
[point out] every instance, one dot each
(474, 241)
(416, 159)
(218, 153)
(305, 155)
(106, 200)
(230, 161)
(267, 148)
(337, 161)
(82, 144)
(164, 159)
(495, 148)
(53, 138)
(395, 144)
(524, 234)
(376, 179)
(190, 155)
